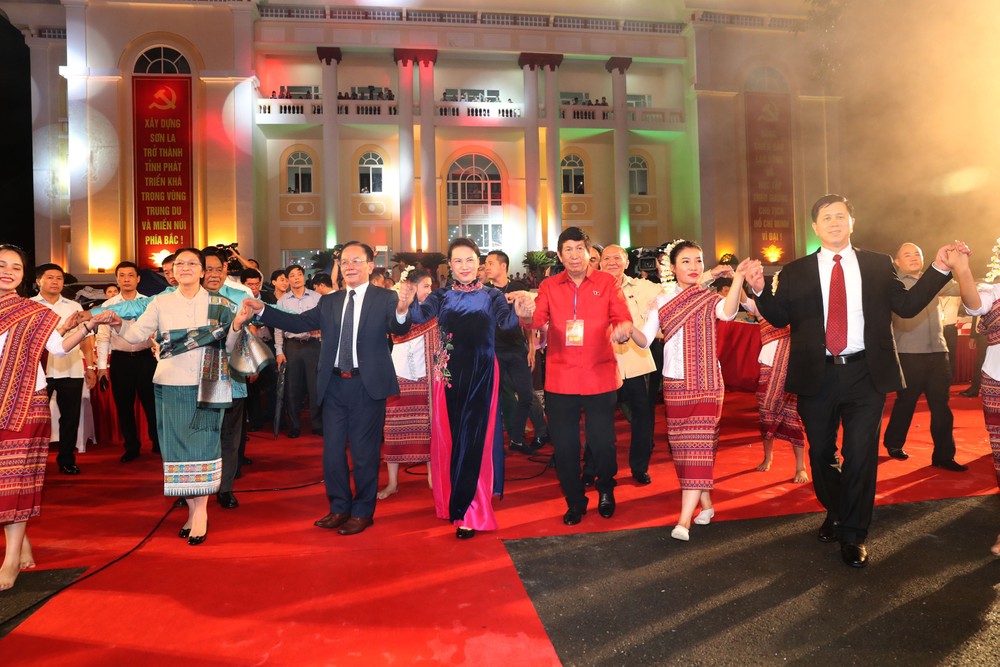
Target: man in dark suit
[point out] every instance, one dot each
(839, 302)
(355, 377)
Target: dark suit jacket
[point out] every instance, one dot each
(378, 320)
(799, 303)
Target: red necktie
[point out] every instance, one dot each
(836, 314)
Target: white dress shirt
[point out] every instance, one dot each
(71, 364)
(108, 340)
(852, 281)
(359, 297)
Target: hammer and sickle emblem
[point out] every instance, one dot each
(168, 97)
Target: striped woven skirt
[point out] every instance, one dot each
(779, 414)
(408, 423)
(990, 392)
(22, 463)
(192, 459)
(693, 433)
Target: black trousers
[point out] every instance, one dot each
(564, 412)
(847, 398)
(232, 440)
(930, 375)
(635, 393)
(515, 378)
(300, 379)
(132, 375)
(69, 395)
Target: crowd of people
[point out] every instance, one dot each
(414, 373)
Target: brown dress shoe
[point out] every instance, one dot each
(333, 520)
(355, 525)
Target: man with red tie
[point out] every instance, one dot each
(842, 362)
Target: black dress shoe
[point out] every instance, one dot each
(184, 533)
(227, 500)
(129, 456)
(854, 555)
(246, 462)
(969, 393)
(317, 431)
(180, 502)
(898, 454)
(523, 448)
(828, 531)
(951, 465)
(588, 481)
(642, 478)
(606, 504)
(573, 515)
(332, 520)
(465, 533)
(538, 443)
(294, 433)
(194, 540)
(69, 470)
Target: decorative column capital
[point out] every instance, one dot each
(540, 60)
(327, 54)
(620, 64)
(421, 56)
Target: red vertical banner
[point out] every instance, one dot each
(162, 166)
(769, 177)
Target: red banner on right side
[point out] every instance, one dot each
(769, 177)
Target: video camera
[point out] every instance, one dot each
(233, 265)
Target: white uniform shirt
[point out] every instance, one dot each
(108, 340)
(72, 364)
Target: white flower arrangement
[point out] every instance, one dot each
(402, 277)
(666, 274)
(993, 268)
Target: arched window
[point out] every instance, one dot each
(572, 174)
(638, 176)
(370, 172)
(161, 60)
(300, 173)
(475, 202)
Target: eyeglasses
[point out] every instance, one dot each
(356, 262)
(177, 264)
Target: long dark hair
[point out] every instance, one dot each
(22, 288)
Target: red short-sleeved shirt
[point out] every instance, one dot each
(590, 368)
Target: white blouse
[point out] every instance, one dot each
(54, 345)
(673, 349)
(989, 294)
(169, 311)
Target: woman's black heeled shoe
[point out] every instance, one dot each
(194, 540)
(465, 533)
(184, 533)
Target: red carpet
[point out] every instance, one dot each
(269, 588)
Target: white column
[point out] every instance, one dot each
(428, 159)
(532, 159)
(244, 103)
(553, 173)
(76, 72)
(621, 142)
(335, 230)
(407, 232)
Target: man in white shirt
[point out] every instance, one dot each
(130, 371)
(65, 375)
(301, 352)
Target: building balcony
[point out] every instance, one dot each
(479, 114)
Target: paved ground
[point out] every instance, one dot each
(765, 591)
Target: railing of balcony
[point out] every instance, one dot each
(479, 109)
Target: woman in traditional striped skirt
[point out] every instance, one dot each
(27, 329)
(778, 409)
(985, 302)
(191, 385)
(408, 415)
(692, 379)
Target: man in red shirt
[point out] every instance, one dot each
(585, 311)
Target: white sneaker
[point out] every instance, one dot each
(705, 517)
(680, 533)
